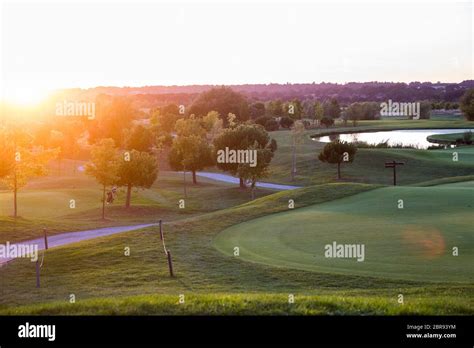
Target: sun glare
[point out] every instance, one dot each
(25, 95)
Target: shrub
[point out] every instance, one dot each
(271, 125)
(327, 121)
(286, 122)
(467, 137)
(263, 120)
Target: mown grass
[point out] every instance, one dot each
(106, 281)
(412, 243)
(368, 165)
(44, 204)
(99, 267)
(448, 138)
(251, 304)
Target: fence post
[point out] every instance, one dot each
(37, 274)
(170, 263)
(45, 239)
(161, 229)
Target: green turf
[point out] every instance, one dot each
(44, 203)
(249, 304)
(368, 166)
(105, 281)
(414, 243)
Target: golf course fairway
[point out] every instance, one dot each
(413, 242)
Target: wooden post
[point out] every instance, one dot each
(37, 274)
(170, 263)
(395, 175)
(161, 229)
(45, 239)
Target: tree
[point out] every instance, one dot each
(57, 141)
(332, 108)
(140, 139)
(244, 137)
(190, 126)
(137, 169)
(257, 110)
(113, 117)
(170, 109)
(275, 108)
(466, 104)
(294, 109)
(213, 125)
(104, 166)
(318, 112)
(425, 110)
(22, 161)
(337, 152)
(286, 122)
(327, 121)
(354, 112)
(252, 174)
(224, 100)
(297, 133)
(271, 125)
(263, 120)
(7, 154)
(165, 122)
(191, 153)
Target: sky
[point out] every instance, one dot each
(64, 44)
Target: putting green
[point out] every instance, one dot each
(413, 243)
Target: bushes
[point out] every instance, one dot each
(272, 125)
(467, 104)
(269, 123)
(286, 122)
(263, 120)
(327, 121)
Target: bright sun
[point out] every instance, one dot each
(25, 93)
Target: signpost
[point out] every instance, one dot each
(394, 165)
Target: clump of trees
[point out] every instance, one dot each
(257, 110)
(332, 108)
(110, 167)
(362, 111)
(286, 122)
(327, 121)
(338, 152)
(223, 100)
(467, 104)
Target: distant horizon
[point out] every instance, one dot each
(264, 83)
(81, 45)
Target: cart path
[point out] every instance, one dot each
(233, 180)
(74, 237)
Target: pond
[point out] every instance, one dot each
(412, 137)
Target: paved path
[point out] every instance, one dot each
(233, 180)
(73, 237)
